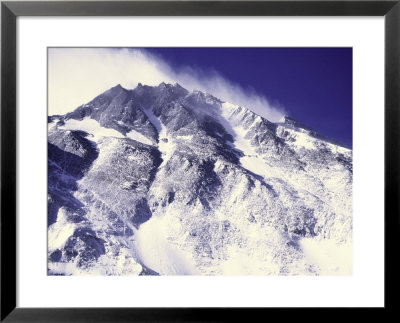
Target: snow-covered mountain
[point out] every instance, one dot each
(163, 181)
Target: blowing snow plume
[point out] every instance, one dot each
(76, 75)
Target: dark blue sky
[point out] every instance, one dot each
(314, 85)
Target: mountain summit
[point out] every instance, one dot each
(162, 181)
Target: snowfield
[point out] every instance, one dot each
(96, 131)
(156, 252)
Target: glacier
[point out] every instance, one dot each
(159, 180)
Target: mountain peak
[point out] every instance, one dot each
(115, 90)
(177, 85)
(157, 180)
(168, 85)
(118, 86)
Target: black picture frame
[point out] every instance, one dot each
(10, 10)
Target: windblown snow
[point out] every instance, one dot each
(163, 181)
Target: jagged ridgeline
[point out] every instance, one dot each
(163, 181)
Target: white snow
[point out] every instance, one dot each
(52, 124)
(250, 160)
(338, 149)
(94, 128)
(166, 148)
(282, 119)
(122, 264)
(331, 258)
(153, 119)
(300, 138)
(139, 137)
(126, 185)
(60, 231)
(185, 137)
(152, 245)
(296, 138)
(159, 254)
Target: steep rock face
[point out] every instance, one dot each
(70, 154)
(159, 180)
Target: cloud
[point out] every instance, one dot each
(77, 75)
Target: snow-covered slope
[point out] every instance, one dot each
(162, 181)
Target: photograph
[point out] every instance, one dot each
(203, 161)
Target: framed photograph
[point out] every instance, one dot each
(197, 161)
